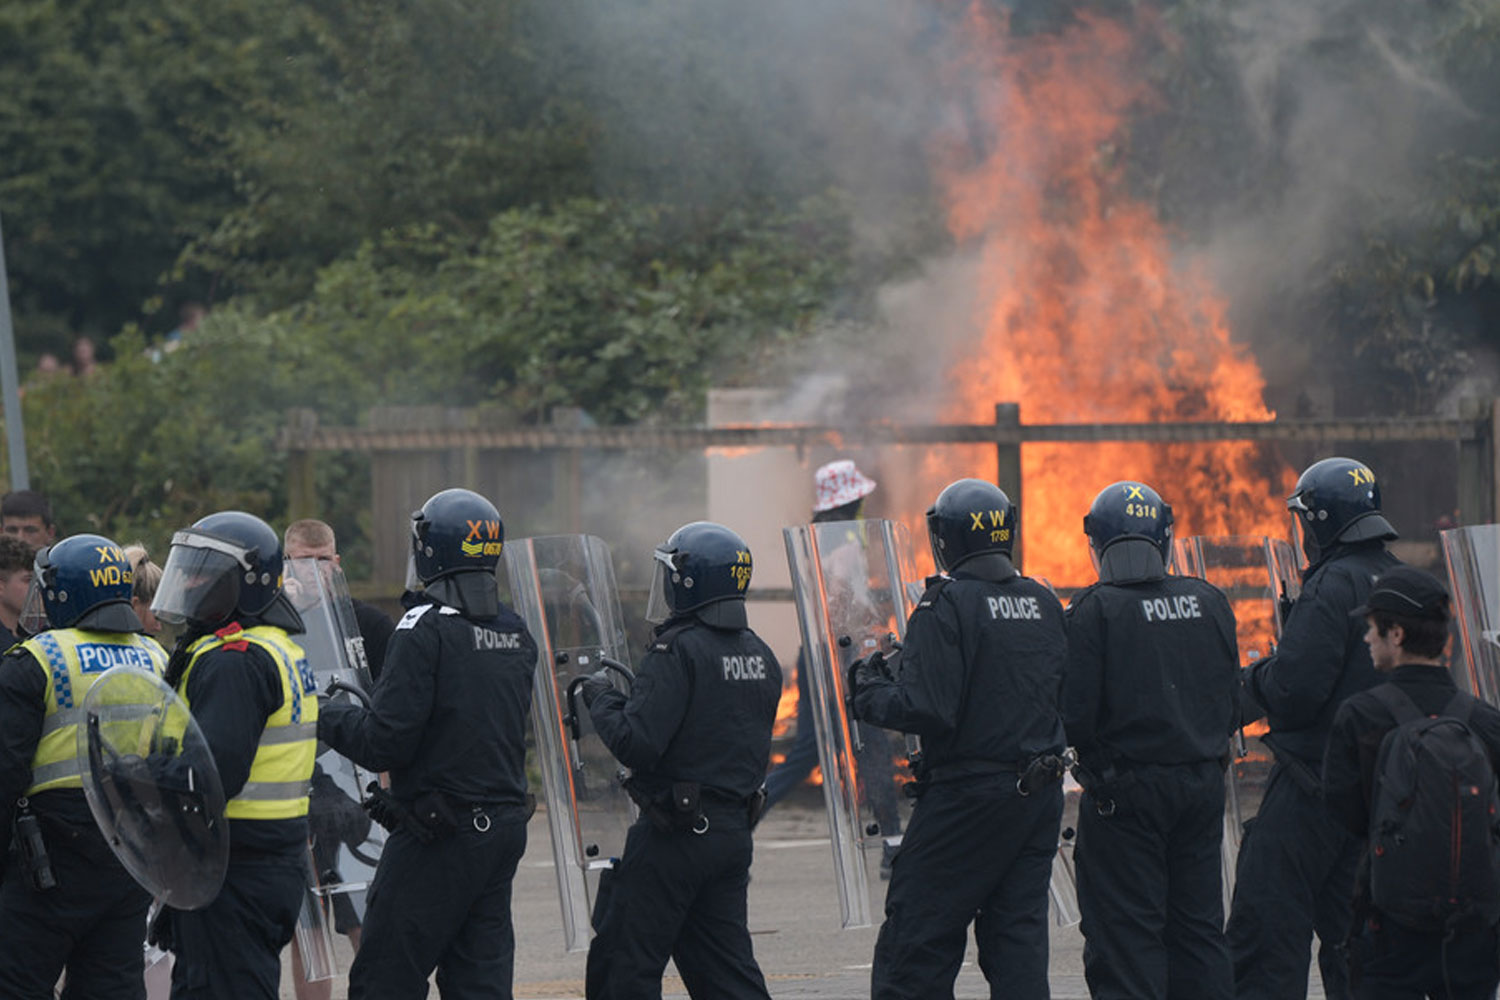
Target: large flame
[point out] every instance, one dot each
(1085, 314)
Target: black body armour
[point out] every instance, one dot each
(701, 710)
(1322, 658)
(450, 708)
(1153, 672)
(979, 675)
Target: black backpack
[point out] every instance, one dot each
(1434, 846)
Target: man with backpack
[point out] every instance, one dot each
(1411, 766)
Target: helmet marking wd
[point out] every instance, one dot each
(72, 578)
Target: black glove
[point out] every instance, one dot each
(159, 931)
(594, 685)
(333, 817)
(863, 672)
(1284, 605)
(383, 807)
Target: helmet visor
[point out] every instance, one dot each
(659, 604)
(1302, 534)
(33, 617)
(201, 580)
(935, 540)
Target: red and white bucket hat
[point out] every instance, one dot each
(840, 483)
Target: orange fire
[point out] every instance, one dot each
(1085, 315)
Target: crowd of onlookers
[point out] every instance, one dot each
(84, 360)
(26, 525)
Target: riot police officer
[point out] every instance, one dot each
(978, 679)
(1150, 697)
(250, 690)
(75, 907)
(696, 730)
(448, 721)
(1296, 864)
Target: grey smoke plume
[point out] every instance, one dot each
(1344, 109)
(1307, 121)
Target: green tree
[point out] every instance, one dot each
(412, 113)
(111, 118)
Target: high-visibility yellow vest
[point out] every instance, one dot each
(73, 659)
(283, 764)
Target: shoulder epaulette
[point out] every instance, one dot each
(232, 634)
(410, 619)
(935, 585)
(1079, 595)
(663, 643)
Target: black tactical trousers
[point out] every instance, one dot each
(443, 905)
(1397, 963)
(231, 949)
(1295, 878)
(93, 922)
(679, 896)
(1150, 887)
(976, 851)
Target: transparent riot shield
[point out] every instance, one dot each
(153, 787)
(346, 845)
(1473, 556)
(313, 937)
(332, 642)
(564, 587)
(1259, 575)
(855, 585)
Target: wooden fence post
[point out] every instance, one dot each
(302, 468)
(1008, 461)
(1476, 462)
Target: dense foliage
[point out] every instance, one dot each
(532, 203)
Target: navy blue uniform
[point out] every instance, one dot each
(700, 712)
(1150, 697)
(449, 724)
(978, 679)
(1394, 961)
(1296, 864)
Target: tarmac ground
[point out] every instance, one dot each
(794, 919)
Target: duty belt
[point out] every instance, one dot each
(954, 770)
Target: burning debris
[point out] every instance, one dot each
(1084, 314)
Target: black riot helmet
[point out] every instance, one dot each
(1336, 500)
(703, 567)
(455, 531)
(1129, 527)
(970, 518)
(83, 581)
(226, 564)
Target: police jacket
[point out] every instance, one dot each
(252, 693)
(375, 628)
(42, 686)
(701, 710)
(1322, 658)
(1152, 674)
(1362, 723)
(979, 675)
(449, 710)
